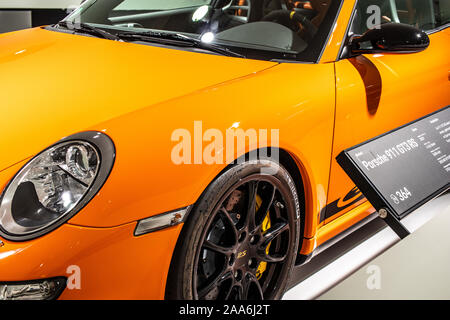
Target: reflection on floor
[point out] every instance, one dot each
(346, 257)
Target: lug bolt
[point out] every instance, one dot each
(279, 205)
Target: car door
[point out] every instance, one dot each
(376, 93)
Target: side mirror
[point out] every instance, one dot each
(390, 38)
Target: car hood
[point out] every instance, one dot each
(54, 84)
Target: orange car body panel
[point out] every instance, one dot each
(140, 119)
(337, 36)
(402, 101)
(85, 75)
(138, 95)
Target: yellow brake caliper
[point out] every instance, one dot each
(264, 227)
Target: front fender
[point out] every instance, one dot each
(145, 181)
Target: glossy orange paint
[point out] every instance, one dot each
(413, 85)
(337, 37)
(112, 264)
(140, 116)
(74, 83)
(58, 72)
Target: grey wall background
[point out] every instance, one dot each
(38, 4)
(14, 20)
(22, 14)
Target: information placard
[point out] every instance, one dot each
(404, 168)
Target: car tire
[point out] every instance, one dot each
(246, 264)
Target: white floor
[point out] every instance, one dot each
(347, 276)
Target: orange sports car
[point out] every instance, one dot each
(185, 149)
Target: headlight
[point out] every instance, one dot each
(56, 184)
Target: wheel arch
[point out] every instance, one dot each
(295, 169)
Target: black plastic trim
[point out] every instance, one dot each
(312, 54)
(303, 259)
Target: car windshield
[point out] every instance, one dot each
(257, 29)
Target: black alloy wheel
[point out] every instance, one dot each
(241, 240)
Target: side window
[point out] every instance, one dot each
(422, 14)
(154, 5)
(418, 13)
(442, 11)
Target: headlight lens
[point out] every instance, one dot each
(55, 185)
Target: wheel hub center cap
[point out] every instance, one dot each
(244, 254)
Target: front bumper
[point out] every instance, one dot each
(112, 262)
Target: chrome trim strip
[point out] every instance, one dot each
(437, 29)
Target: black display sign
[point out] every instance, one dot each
(403, 169)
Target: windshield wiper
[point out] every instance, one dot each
(177, 40)
(87, 28)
